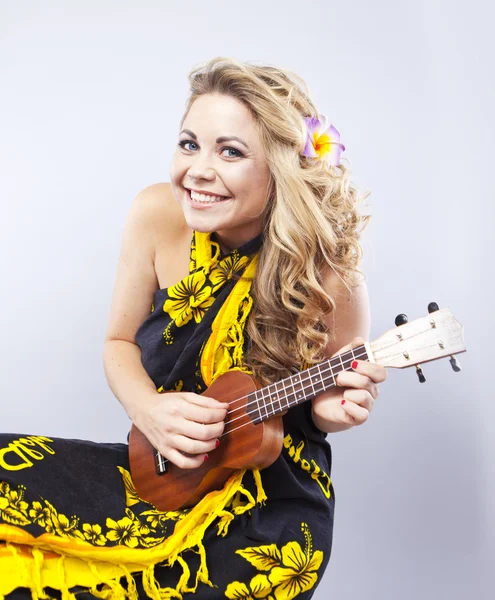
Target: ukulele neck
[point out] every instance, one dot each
(276, 398)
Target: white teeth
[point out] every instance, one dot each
(209, 199)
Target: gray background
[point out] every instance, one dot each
(90, 102)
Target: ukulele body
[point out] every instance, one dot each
(250, 446)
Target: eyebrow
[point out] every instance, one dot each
(220, 140)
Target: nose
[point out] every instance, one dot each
(201, 169)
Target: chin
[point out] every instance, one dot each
(203, 225)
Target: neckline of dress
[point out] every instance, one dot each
(246, 249)
(249, 247)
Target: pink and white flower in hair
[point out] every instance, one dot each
(323, 140)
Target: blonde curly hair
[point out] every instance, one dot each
(311, 222)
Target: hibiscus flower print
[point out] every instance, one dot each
(259, 587)
(12, 505)
(40, 514)
(131, 530)
(124, 531)
(66, 526)
(227, 268)
(286, 573)
(188, 299)
(93, 534)
(297, 574)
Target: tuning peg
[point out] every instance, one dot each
(420, 375)
(402, 320)
(454, 363)
(432, 307)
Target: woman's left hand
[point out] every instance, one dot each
(351, 401)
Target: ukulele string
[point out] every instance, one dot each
(247, 415)
(386, 345)
(307, 378)
(246, 404)
(303, 379)
(375, 351)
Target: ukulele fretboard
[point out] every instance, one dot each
(277, 397)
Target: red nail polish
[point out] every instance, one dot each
(343, 402)
(217, 443)
(206, 457)
(354, 364)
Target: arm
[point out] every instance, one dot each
(181, 426)
(134, 287)
(350, 319)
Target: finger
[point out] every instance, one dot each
(355, 380)
(357, 414)
(361, 397)
(199, 431)
(205, 401)
(182, 461)
(200, 414)
(376, 372)
(191, 446)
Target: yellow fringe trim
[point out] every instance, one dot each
(62, 562)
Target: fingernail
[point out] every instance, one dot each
(342, 402)
(206, 457)
(354, 364)
(217, 443)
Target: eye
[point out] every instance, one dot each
(183, 143)
(239, 153)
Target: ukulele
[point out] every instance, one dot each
(253, 432)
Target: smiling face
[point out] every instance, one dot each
(228, 168)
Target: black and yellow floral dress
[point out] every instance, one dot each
(73, 526)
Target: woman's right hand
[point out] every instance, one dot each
(182, 426)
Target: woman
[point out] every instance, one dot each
(248, 259)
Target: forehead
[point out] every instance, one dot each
(215, 114)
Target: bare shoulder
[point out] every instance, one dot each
(333, 284)
(351, 317)
(154, 216)
(156, 205)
